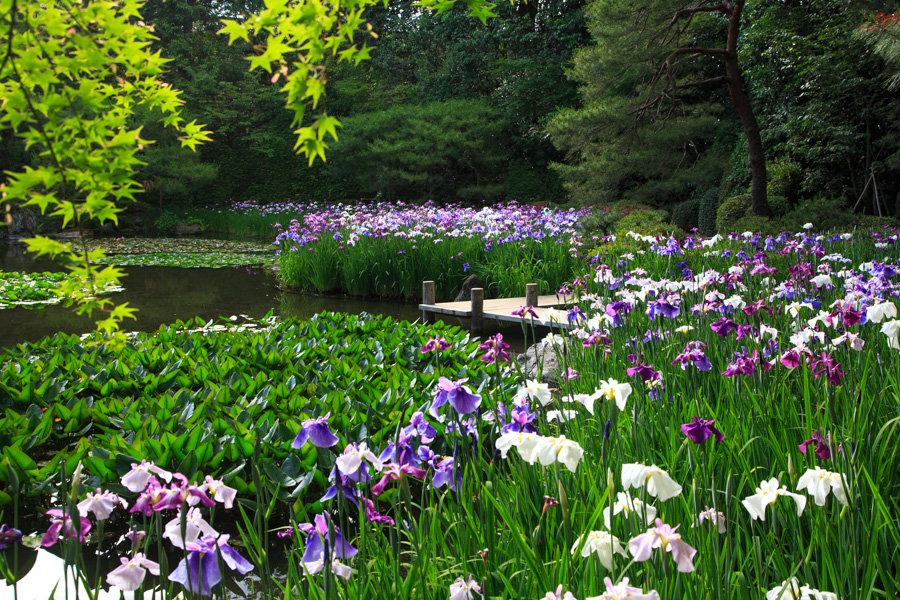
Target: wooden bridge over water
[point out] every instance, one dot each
(479, 309)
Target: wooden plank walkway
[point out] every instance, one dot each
(479, 309)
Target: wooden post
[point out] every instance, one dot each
(531, 294)
(428, 297)
(477, 311)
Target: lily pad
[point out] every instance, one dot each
(188, 253)
(35, 290)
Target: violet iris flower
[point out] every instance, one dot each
(662, 308)
(316, 431)
(346, 485)
(58, 522)
(399, 451)
(520, 421)
(443, 474)
(9, 536)
(418, 426)
(317, 535)
(459, 396)
(723, 326)
(199, 571)
(699, 430)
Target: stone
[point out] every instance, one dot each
(465, 292)
(551, 367)
(187, 229)
(20, 221)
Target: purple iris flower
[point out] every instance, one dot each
(316, 431)
(662, 308)
(443, 474)
(496, 349)
(346, 484)
(615, 309)
(179, 493)
(199, 571)
(418, 426)
(60, 521)
(699, 430)
(459, 396)
(400, 451)
(823, 449)
(520, 421)
(435, 344)
(395, 471)
(646, 372)
(9, 536)
(317, 535)
(723, 326)
(373, 516)
(693, 353)
(522, 311)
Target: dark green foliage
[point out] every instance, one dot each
(707, 211)
(194, 399)
(754, 223)
(165, 223)
(820, 92)
(738, 207)
(645, 222)
(611, 155)
(443, 150)
(686, 215)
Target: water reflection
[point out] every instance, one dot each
(163, 295)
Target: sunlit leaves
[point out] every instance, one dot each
(72, 75)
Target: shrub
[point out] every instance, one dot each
(706, 218)
(738, 207)
(687, 214)
(754, 223)
(165, 223)
(645, 222)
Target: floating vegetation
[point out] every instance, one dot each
(35, 290)
(186, 253)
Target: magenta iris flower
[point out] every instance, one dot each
(522, 311)
(823, 449)
(395, 471)
(459, 396)
(60, 521)
(646, 372)
(435, 344)
(182, 492)
(699, 430)
(496, 349)
(316, 431)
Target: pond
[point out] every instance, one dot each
(163, 295)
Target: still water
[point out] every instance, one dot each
(163, 295)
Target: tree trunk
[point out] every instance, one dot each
(759, 204)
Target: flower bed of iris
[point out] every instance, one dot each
(726, 427)
(388, 249)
